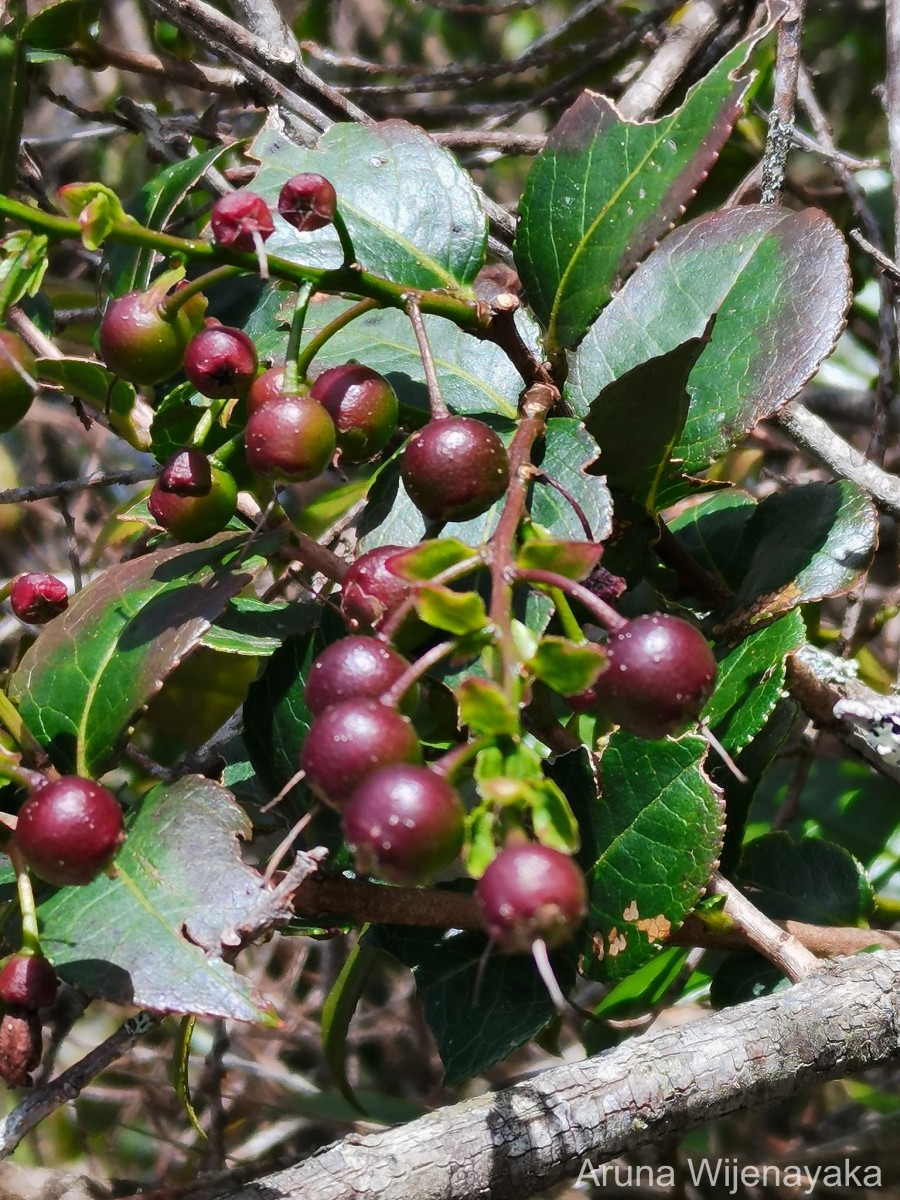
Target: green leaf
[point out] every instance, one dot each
(455, 612)
(23, 262)
(177, 417)
(565, 666)
(97, 665)
(604, 189)
(181, 1080)
(337, 1012)
(432, 235)
(741, 977)
(750, 681)
(635, 458)
(711, 531)
(57, 26)
(251, 627)
(657, 830)
(779, 284)
(484, 707)
(91, 382)
(430, 558)
(97, 209)
(552, 818)
(572, 560)
(472, 1029)
(476, 377)
(568, 450)
(808, 880)
(807, 543)
(131, 267)
(154, 935)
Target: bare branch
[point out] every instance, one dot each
(775, 943)
(53, 491)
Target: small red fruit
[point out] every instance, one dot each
(404, 823)
(352, 668)
(194, 518)
(237, 216)
(17, 368)
(38, 598)
(187, 473)
(363, 406)
(291, 437)
(28, 980)
(530, 892)
(69, 830)
(371, 592)
(221, 362)
(265, 388)
(141, 345)
(308, 201)
(349, 741)
(454, 469)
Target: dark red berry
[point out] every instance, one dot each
(404, 823)
(291, 437)
(221, 362)
(17, 369)
(141, 345)
(265, 388)
(28, 980)
(38, 598)
(187, 473)
(237, 216)
(69, 830)
(660, 673)
(308, 201)
(363, 406)
(370, 591)
(352, 739)
(352, 668)
(195, 518)
(454, 469)
(530, 892)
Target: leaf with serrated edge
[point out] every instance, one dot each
(807, 880)
(153, 936)
(657, 828)
(430, 235)
(566, 453)
(779, 284)
(98, 664)
(604, 189)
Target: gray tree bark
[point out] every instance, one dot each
(519, 1141)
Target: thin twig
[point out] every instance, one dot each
(773, 942)
(781, 120)
(53, 491)
(436, 399)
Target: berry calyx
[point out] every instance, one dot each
(238, 218)
(308, 201)
(29, 981)
(371, 592)
(221, 362)
(352, 668)
(350, 740)
(194, 518)
(660, 673)
(186, 473)
(38, 598)
(17, 367)
(69, 830)
(404, 823)
(291, 437)
(531, 892)
(141, 345)
(454, 468)
(363, 406)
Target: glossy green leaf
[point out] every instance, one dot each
(712, 530)
(430, 558)
(23, 263)
(635, 449)
(96, 207)
(657, 831)
(91, 382)
(552, 819)
(455, 612)
(565, 666)
(338, 1010)
(251, 627)
(750, 681)
(431, 235)
(779, 284)
(97, 665)
(472, 1032)
(567, 451)
(56, 26)
(573, 560)
(485, 709)
(809, 542)
(807, 880)
(181, 1080)
(604, 189)
(153, 936)
(741, 977)
(177, 417)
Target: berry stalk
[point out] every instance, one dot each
(612, 621)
